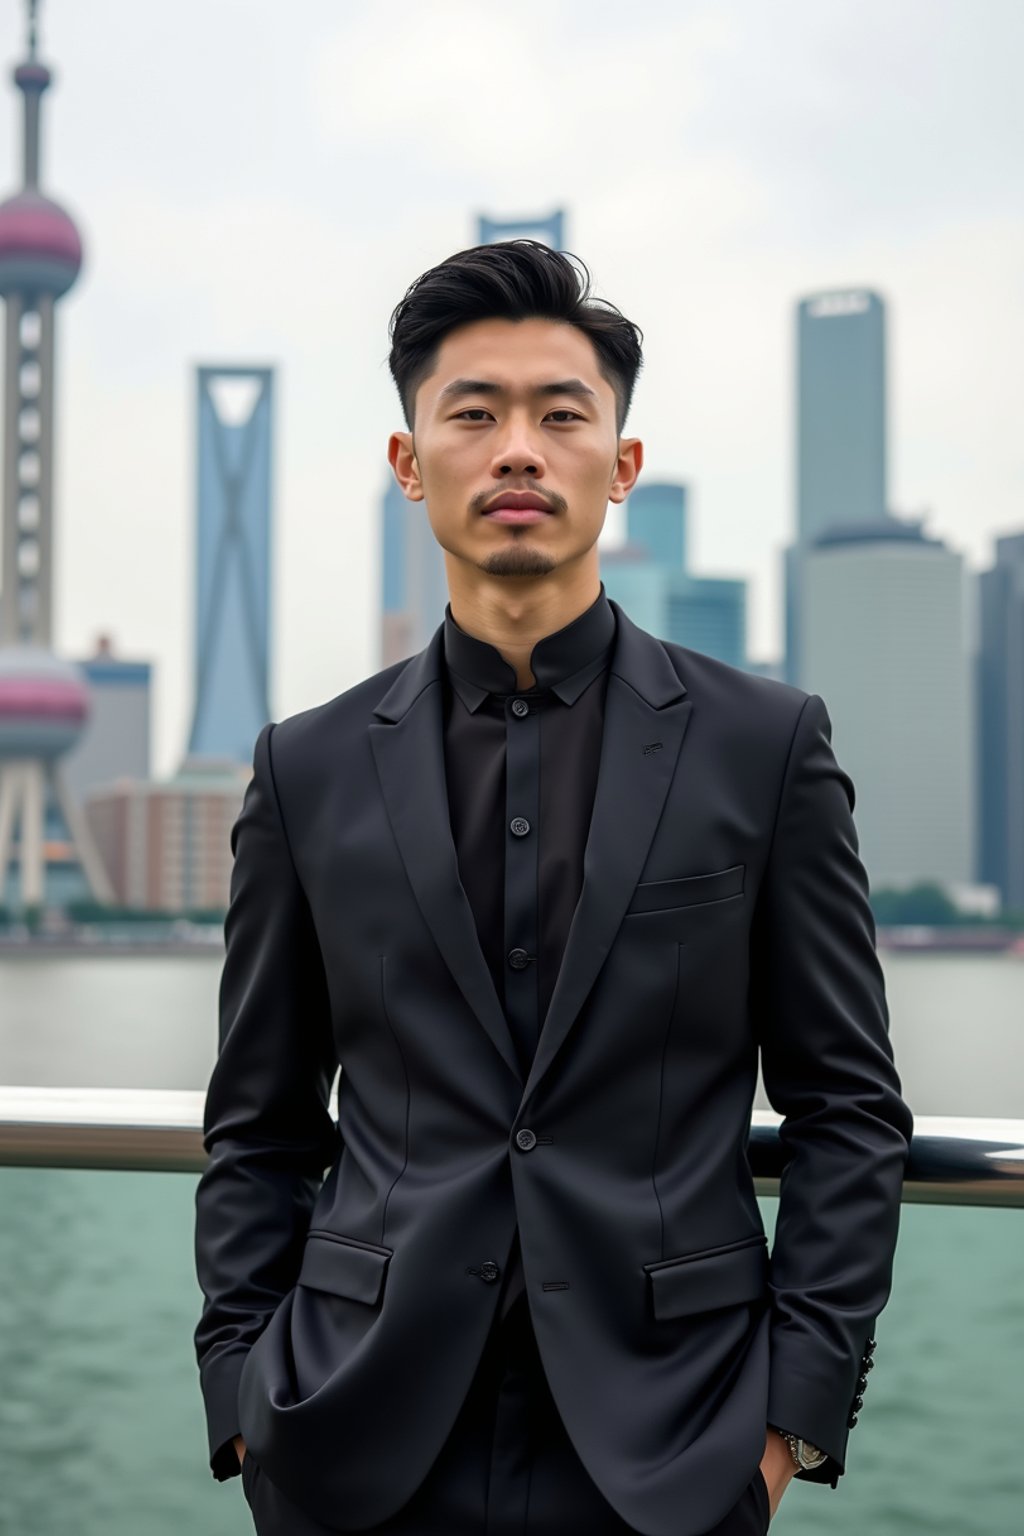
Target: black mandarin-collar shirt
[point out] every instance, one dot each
(521, 767)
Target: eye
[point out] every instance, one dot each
(571, 415)
(475, 411)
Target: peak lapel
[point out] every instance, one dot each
(645, 721)
(408, 746)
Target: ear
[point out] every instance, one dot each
(402, 458)
(627, 466)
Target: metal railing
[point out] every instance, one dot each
(953, 1160)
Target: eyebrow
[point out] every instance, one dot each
(461, 387)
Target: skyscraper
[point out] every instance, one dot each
(1001, 723)
(841, 411)
(648, 577)
(396, 621)
(656, 518)
(841, 427)
(44, 699)
(232, 615)
(883, 644)
(549, 227)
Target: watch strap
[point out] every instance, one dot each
(805, 1455)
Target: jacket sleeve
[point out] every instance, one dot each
(267, 1128)
(827, 1063)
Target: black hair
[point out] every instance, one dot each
(510, 280)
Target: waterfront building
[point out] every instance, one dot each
(116, 739)
(883, 641)
(167, 845)
(1000, 811)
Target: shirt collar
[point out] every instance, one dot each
(565, 661)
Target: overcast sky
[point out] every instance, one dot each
(259, 181)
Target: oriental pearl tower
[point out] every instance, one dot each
(44, 700)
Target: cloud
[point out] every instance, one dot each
(512, 95)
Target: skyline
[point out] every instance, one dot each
(235, 222)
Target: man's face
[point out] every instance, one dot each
(516, 409)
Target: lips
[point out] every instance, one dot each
(518, 515)
(517, 501)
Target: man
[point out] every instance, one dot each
(543, 891)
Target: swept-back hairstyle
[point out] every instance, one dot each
(509, 280)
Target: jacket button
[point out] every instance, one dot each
(525, 1140)
(520, 826)
(851, 1421)
(868, 1363)
(862, 1382)
(870, 1346)
(518, 959)
(858, 1403)
(489, 1271)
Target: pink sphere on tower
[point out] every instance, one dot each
(39, 245)
(44, 703)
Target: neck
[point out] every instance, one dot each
(514, 613)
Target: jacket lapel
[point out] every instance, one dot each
(645, 720)
(408, 745)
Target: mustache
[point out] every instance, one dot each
(556, 502)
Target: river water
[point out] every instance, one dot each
(101, 1426)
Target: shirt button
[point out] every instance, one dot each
(520, 826)
(520, 707)
(518, 959)
(526, 1140)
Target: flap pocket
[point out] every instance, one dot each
(344, 1266)
(662, 895)
(716, 1277)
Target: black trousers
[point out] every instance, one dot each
(508, 1467)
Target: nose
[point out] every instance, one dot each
(517, 455)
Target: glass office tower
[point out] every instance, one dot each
(841, 426)
(841, 411)
(1000, 812)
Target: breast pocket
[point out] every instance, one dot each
(674, 908)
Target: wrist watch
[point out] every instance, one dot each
(806, 1455)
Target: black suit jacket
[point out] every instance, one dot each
(723, 911)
